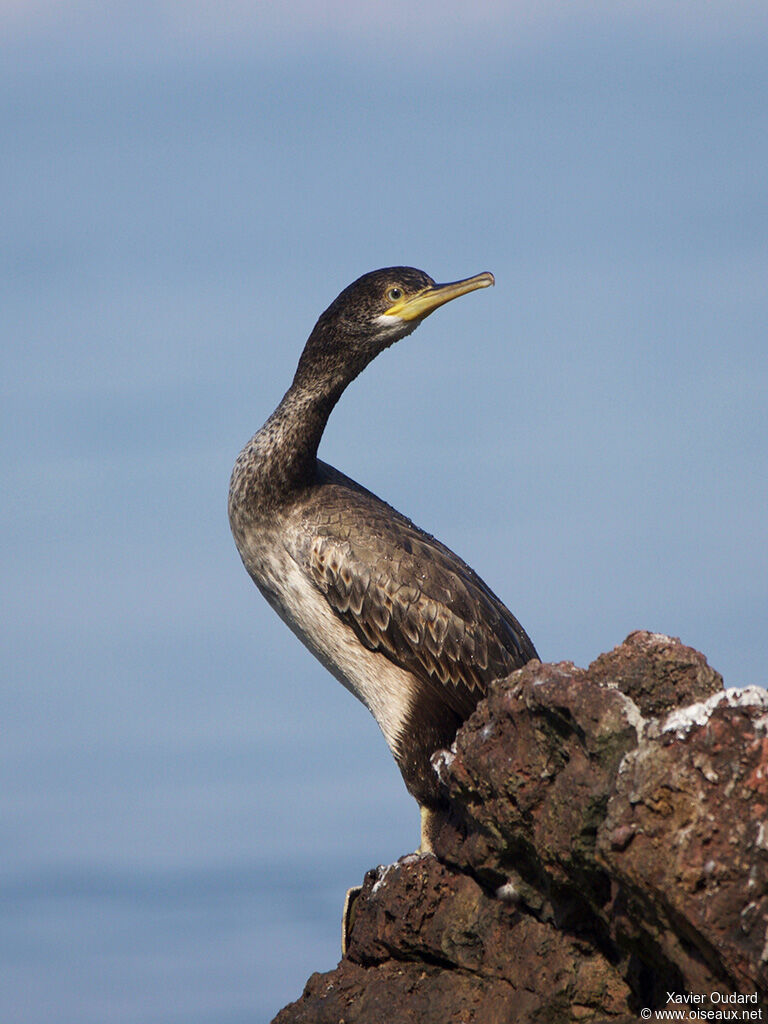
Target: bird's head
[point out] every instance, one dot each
(373, 313)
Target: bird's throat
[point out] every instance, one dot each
(281, 458)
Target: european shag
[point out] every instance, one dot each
(400, 620)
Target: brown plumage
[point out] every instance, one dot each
(400, 619)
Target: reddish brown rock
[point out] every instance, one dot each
(430, 944)
(695, 797)
(657, 672)
(606, 851)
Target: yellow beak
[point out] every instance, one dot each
(416, 307)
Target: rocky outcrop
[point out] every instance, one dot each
(608, 854)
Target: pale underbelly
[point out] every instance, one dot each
(385, 689)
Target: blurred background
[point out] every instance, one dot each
(186, 795)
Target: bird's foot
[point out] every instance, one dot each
(432, 821)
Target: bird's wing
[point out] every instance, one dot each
(408, 596)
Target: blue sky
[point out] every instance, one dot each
(188, 186)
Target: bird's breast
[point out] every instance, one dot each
(386, 690)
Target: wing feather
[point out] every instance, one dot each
(407, 595)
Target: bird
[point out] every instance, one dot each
(398, 618)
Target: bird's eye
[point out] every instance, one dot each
(394, 294)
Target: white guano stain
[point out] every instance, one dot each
(682, 720)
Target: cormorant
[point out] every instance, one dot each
(400, 620)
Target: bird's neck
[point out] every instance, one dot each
(281, 459)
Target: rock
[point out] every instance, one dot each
(608, 851)
(657, 672)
